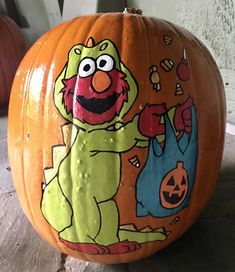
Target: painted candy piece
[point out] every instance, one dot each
(154, 78)
(167, 65)
(179, 90)
(167, 40)
(182, 68)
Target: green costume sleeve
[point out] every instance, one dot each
(120, 140)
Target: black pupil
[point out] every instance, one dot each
(87, 67)
(103, 63)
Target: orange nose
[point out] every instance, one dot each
(101, 81)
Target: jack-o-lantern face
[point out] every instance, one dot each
(174, 187)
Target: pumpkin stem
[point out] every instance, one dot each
(131, 10)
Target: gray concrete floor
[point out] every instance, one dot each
(208, 246)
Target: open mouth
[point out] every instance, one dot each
(174, 198)
(98, 105)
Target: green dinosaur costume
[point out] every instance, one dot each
(79, 190)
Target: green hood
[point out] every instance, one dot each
(75, 56)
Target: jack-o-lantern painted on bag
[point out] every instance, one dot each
(119, 135)
(174, 187)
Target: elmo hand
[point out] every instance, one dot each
(183, 118)
(149, 120)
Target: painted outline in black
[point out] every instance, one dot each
(185, 193)
(116, 66)
(163, 150)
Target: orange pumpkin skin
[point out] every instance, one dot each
(142, 43)
(12, 50)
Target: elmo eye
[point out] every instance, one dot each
(86, 67)
(105, 63)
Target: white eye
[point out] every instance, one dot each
(86, 67)
(105, 63)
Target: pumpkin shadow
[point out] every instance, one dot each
(3, 111)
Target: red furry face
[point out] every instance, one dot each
(86, 104)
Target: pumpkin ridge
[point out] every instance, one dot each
(88, 206)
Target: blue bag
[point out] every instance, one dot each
(166, 182)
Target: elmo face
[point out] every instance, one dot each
(97, 93)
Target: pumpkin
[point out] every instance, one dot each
(174, 187)
(116, 130)
(12, 49)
